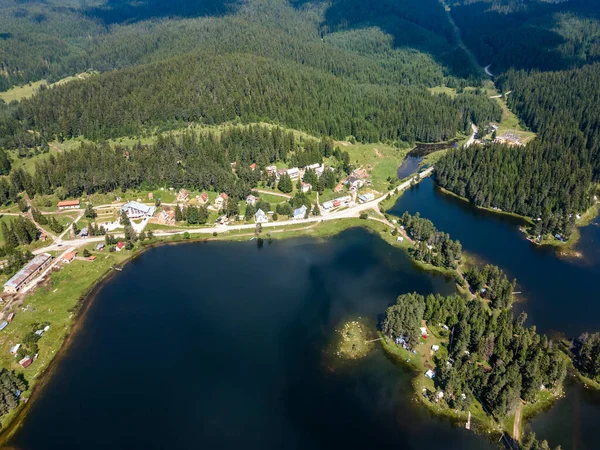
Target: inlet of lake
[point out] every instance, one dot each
(229, 345)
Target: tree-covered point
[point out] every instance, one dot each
(492, 356)
(432, 246)
(587, 355)
(490, 282)
(544, 179)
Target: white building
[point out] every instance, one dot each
(306, 187)
(251, 200)
(364, 198)
(135, 210)
(300, 213)
(293, 173)
(261, 217)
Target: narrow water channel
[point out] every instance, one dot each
(558, 294)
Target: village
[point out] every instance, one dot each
(91, 233)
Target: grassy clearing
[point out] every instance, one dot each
(18, 93)
(380, 160)
(28, 90)
(451, 92)
(354, 342)
(510, 123)
(57, 303)
(28, 164)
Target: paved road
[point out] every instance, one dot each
(353, 211)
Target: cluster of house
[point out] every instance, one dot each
(8, 320)
(220, 202)
(357, 179)
(28, 360)
(341, 201)
(294, 172)
(28, 273)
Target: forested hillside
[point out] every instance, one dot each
(563, 107)
(213, 89)
(543, 180)
(186, 160)
(382, 42)
(544, 54)
(530, 34)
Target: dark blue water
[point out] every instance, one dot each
(559, 294)
(573, 420)
(229, 346)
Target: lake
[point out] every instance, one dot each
(558, 294)
(561, 295)
(231, 345)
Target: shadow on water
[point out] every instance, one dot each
(415, 156)
(222, 345)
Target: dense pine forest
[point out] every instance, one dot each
(402, 42)
(493, 357)
(213, 89)
(545, 55)
(543, 181)
(190, 160)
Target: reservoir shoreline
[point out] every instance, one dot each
(86, 299)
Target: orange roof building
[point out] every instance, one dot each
(68, 204)
(69, 257)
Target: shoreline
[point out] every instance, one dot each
(587, 217)
(318, 231)
(14, 419)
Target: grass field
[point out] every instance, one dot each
(28, 164)
(510, 122)
(28, 90)
(380, 160)
(20, 92)
(56, 302)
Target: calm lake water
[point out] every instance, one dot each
(560, 294)
(229, 346)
